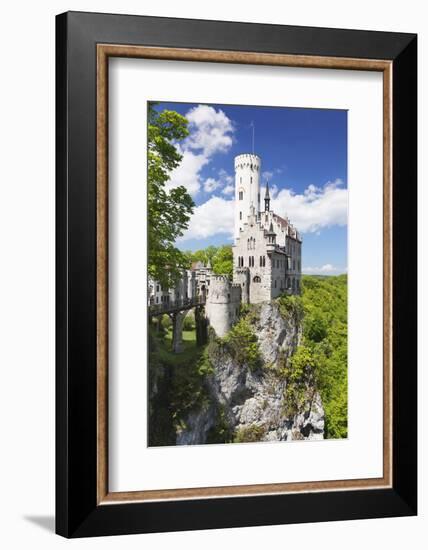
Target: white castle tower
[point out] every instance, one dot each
(247, 188)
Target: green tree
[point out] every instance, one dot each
(169, 211)
(222, 262)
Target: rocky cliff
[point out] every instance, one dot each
(253, 395)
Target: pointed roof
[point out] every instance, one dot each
(209, 264)
(271, 231)
(267, 196)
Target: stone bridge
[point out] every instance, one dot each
(177, 311)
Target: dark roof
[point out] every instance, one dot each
(267, 191)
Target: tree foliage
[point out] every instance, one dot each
(220, 257)
(169, 210)
(320, 362)
(325, 331)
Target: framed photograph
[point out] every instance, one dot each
(236, 274)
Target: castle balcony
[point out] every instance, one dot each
(273, 247)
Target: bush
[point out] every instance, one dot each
(315, 327)
(166, 322)
(299, 373)
(249, 434)
(243, 346)
(189, 322)
(291, 306)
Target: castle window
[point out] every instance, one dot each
(251, 179)
(228, 296)
(261, 261)
(157, 299)
(241, 195)
(157, 288)
(275, 283)
(298, 265)
(257, 279)
(294, 265)
(240, 215)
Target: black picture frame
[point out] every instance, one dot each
(77, 511)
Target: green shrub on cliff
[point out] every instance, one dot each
(242, 344)
(291, 306)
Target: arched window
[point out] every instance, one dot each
(241, 195)
(257, 279)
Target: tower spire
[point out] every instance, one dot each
(267, 198)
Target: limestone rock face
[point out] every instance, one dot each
(253, 403)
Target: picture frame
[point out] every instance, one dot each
(84, 44)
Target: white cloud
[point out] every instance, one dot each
(187, 173)
(224, 180)
(316, 208)
(267, 175)
(228, 190)
(211, 132)
(215, 216)
(326, 269)
(210, 185)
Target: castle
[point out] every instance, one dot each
(266, 256)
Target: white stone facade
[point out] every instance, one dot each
(267, 254)
(247, 188)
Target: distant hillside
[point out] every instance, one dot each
(325, 338)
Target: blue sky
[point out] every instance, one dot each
(304, 157)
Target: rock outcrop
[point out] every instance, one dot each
(251, 403)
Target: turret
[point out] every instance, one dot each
(267, 198)
(247, 188)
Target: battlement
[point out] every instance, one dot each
(248, 160)
(220, 278)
